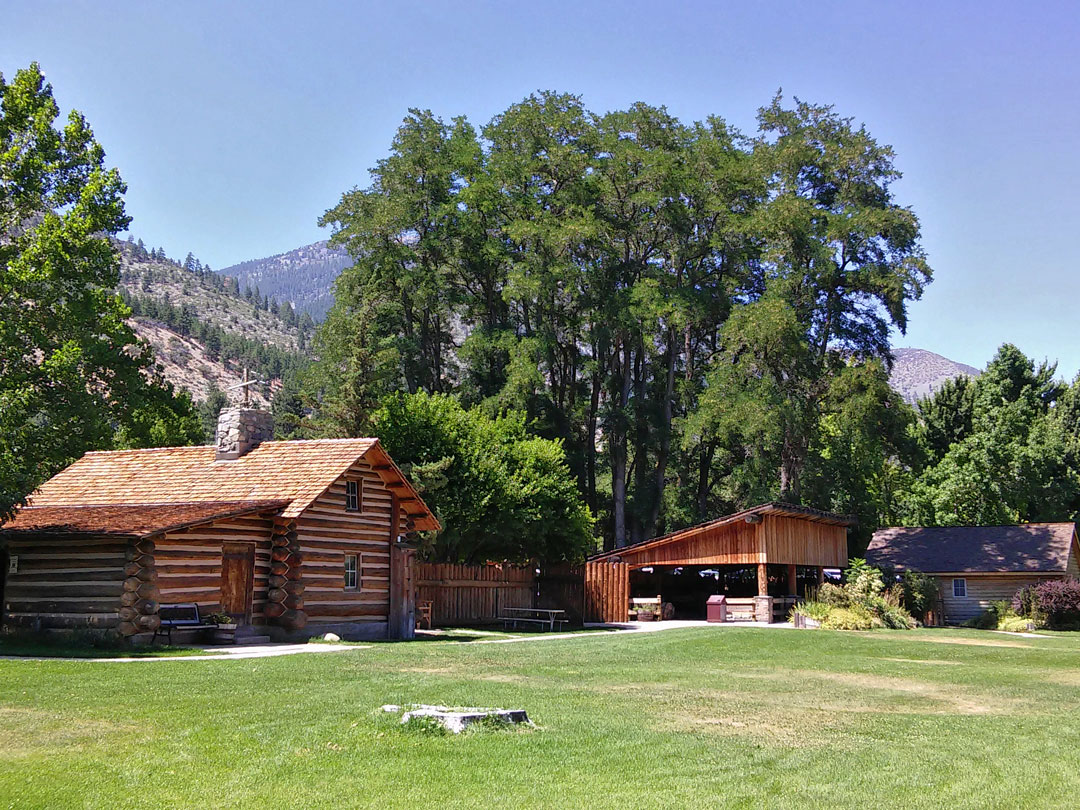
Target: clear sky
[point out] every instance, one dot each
(237, 124)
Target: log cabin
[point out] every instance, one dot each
(290, 538)
(977, 565)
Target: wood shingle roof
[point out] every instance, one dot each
(293, 473)
(129, 520)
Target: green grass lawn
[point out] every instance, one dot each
(33, 648)
(684, 718)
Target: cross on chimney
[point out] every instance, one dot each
(245, 386)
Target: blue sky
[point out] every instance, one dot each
(237, 124)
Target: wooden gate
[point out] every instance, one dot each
(607, 591)
(562, 587)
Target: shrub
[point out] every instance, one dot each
(863, 581)
(852, 618)
(833, 595)
(1059, 601)
(919, 593)
(813, 609)
(1014, 623)
(888, 608)
(1025, 602)
(1000, 615)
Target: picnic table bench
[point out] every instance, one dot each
(183, 616)
(546, 619)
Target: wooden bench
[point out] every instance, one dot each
(184, 617)
(652, 603)
(740, 609)
(543, 618)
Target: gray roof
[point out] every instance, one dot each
(1030, 548)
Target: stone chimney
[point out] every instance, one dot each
(240, 430)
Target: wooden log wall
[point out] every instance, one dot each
(607, 591)
(473, 594)
(66, 583)
(327, 532)
(188, 563)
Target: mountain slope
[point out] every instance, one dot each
(304, 276)
(917, 372)
(203, 330)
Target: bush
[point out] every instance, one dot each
(813, 609)
(1000, 615)
(1025, 602)
(1014, 623)
(852, 618)
(919, 593)
(864, 582)
(862, 604)
(833, 595)
(1059, 601)
(889, 609)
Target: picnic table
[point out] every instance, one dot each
(546, 619)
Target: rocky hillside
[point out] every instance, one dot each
(186, 364)
(206, 328)
(304, 277)
(917, 372)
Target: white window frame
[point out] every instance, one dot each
(962, 582)
(352, 572)
(354, 495)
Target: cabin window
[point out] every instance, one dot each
(959, 587)
(354, 495)
(352, 572)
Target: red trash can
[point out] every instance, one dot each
(716, 608)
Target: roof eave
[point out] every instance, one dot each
(770, 508)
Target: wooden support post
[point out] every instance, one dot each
(762, 579)
(792, 580)
(399, 579)
(821, 575)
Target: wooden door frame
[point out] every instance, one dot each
(249, 588)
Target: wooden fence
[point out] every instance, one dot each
(474, 594)
(477, 594)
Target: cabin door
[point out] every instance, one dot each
(237, 580)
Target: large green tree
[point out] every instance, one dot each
(500, 493)
(73, 376)
(840, 260)
(674, 303)
(1011, 459)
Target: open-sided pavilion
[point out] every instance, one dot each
(773, 538)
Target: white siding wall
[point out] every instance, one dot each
(981, 591)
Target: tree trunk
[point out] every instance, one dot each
(703, 485)
(664, 449)
(642, 434)
(792, 461)
(617, 441)
(590, 443)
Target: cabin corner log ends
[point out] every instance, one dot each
(139, 600)
(285, 594)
